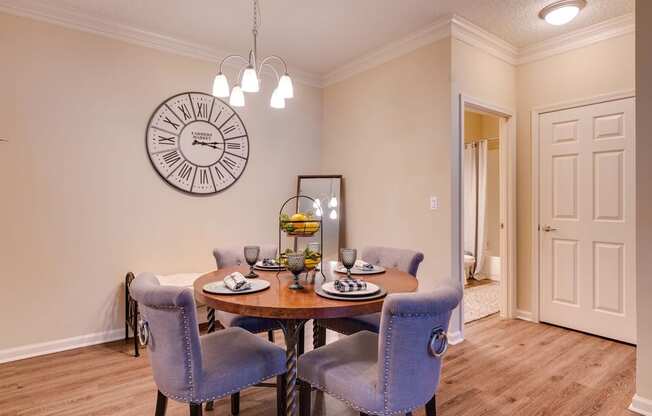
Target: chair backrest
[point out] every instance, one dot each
(174, 346)
(234, 256)
(402, 259)
(408, 372)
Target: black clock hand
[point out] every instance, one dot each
(209, 144)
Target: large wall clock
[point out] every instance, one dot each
(197, 143)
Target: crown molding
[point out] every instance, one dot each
(474, 35)
(450, 26)
(440, 29)
(51, 13)
(577, 39)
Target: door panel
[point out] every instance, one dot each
(587, 228)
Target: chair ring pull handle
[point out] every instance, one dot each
(143, 332)
(438, 342)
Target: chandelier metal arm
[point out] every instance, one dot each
(278, 58)
(232, 57)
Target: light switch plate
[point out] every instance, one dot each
(434, 202)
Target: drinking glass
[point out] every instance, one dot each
(296, 264)
(348, 257)
(251, 254)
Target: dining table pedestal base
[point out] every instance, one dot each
(292, 329)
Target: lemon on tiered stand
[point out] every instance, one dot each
(301, 224)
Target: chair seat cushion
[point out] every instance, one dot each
(346, 369)
(250, 323)
(233, 359)
(349, 326)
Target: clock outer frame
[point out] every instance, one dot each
(165, 180)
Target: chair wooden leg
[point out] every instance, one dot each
(318, 335)
(161, 404)
(270, 335)
(363, 414)
(431, 406)
(195, 409)
(301, 345)
(280, 395)
(304, 398)
(235, 403)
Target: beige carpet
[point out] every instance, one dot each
(481, 301)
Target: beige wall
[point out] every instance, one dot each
(601, 68)
(387, 130)
(81, 204)
(644, 202)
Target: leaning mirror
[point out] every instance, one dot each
(326, 190)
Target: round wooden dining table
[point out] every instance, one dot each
(293, 308)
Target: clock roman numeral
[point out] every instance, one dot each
(166, 140)
(233, 146)
(229, 162)
(172, 157)
(184, 110)
(171, 123)
(218, 116)
(185, 171)
(203, 177)
(202, 110)
(220, 175)
(228, 130)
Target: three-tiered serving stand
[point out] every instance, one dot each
(301, 233)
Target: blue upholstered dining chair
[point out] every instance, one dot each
(192, 368)
(230, 257)
(390, 373)
(234, 256)
(404, 260)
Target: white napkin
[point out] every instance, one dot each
(237, 282)
(363, 265)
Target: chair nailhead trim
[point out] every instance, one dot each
(358, 407)
(188, 365)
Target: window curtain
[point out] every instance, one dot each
(475, 202)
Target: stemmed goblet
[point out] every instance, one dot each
(348, 257)
(296, 264)
(251, 254)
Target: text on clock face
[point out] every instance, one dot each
(197, 143)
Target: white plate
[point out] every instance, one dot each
(260, 266)
(219, 288)
(329, 287)
(358, 271)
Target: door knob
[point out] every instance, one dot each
(548, 228)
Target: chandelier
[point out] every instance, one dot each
(249, 74)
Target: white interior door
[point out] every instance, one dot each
(587, 219)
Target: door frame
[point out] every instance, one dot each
(534, 226)
(507, 134)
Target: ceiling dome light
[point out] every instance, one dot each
(562, 12)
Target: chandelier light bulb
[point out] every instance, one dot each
(333, 215)
(332, 203)
(562, 12)
(250, 80)
(237, 97)
(221, 86)
(285, 87)
(277, 100)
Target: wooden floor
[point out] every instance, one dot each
(503, 368)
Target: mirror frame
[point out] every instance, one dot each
(340, 234)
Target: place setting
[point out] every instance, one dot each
(236, 283)
(350, 288)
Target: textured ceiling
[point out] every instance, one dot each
(319, 35)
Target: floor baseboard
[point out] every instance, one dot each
(455, 338)
(524, 315)
(641, 405)
(49, 347)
